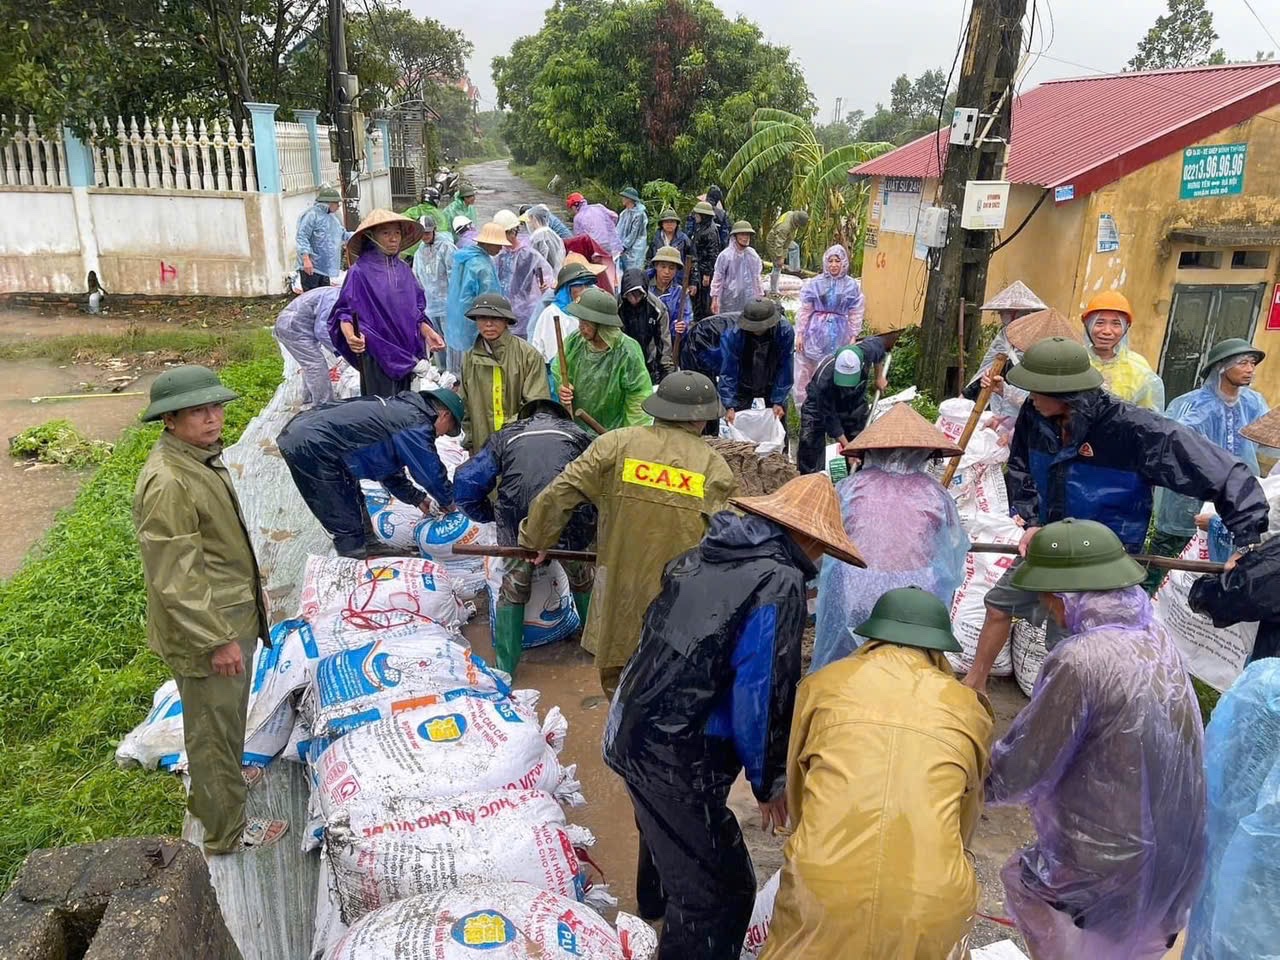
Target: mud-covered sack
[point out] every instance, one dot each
(494, 921)
(352, 602)
(981, 572)
(761, 919)
(388, 676)
(550, 615)
(401, 847)
(1027, 651)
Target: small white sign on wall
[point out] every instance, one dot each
(986, 205)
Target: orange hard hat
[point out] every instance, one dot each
(1109, 300)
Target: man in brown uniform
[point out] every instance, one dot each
(205, 609)
(656, 489)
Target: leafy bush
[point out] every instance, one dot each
(58, 441)
(75, 673)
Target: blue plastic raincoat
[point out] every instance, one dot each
(473, 274)
(321, 235)
(1235, 917)
(1207, 413)
(432, 264)
(909, 532)
(1109, 757)
(598, 222)
(633, 229)
(524, 275)
(830, 317)
(736, 279)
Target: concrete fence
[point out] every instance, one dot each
(168, 206)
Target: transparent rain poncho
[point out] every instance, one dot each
(1207, 413)
(542, 237)
(598, 222)
(432, 265)
(830, 317)
(524, 275)
(1235, 917)
(909, 532)
(736, 279)
(1109, 758)
(1128, 375)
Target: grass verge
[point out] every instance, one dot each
(211, 347)
(75, 674)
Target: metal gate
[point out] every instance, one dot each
(409, 173)
(1202, 315)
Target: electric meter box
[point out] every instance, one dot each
(933, 227)
(964, 126)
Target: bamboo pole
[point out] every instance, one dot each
(984, 397)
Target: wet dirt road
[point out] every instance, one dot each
(497, 188)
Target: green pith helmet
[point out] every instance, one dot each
(630, 194)
(1235, 347)
(801, 219)
(596, 307)
(742, 226)
(452, 402)
(684, 396)
(1072, 556)
(704, 208)
(328, 193)
(183, 387)
(572, 272)
(466, 190)
(667, 255)
(668, 214)
(491, 305)
(1055, 365)
(911, 617)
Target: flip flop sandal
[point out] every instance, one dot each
(252, 776)
(261, 832)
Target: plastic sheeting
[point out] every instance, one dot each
(1128, 376)
(432, 266)
(544, 239)
(1113, 873)
(908, 531)
(1235, 917)
(598, 222)
(525, 276)
(830, 317)
(736, 280)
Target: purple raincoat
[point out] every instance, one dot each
(383, 292)
(1109, 758)
(830, 317)
(598, 222)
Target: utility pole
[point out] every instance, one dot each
(991, 56)
(342, 90)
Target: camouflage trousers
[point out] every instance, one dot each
(517, 580)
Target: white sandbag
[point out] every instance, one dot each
(1027, 651)
(351, 602)
(885, 404)
(953, 415)
(761, 918)
(437, 535)
(1216, 656)
(468, 573)
(981, 571)
(503, 921)
(157, 740)
(757, 425)
(400, 847)
(466, 745)
(550, 615)
(981, 489)
(451, 453)
(394, 522)
(352, 688)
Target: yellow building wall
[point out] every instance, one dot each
(1146, 207)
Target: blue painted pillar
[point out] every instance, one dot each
(79, 160)
(308, 119)
(384, 126)
(266, 152)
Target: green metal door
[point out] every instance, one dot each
(1202, 315)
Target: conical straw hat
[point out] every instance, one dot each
(596, 268)
(903, 428)
(1264, 430)
(808, 506)
(1016, 296)
(1026, 332)
(493, 233)
(410, 231)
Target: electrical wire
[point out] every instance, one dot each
(937, 143)
(1027, 219)
(1270, 35)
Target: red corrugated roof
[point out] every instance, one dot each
(1090, 131)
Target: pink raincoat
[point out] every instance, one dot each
(830, 317)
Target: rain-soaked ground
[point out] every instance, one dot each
(566, 676)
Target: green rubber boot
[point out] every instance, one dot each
(582, 603)
(508, 638)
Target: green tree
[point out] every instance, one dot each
(640, 89)
(1183, 37)
(913, 110)
(819, 178)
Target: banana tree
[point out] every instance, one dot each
(819, 177)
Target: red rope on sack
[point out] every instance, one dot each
(581, 854)
(359, 614)
(1003, 921)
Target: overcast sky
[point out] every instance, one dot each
(855, 49)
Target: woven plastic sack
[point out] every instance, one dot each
(496, 921)
(437, 535)
(981, 571)
(761, 919)
(394, 522)
(398, 848)
(349, 603)
(1027, 651)
(550, 615)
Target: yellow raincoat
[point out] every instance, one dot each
(884, 783)
(1129, 377)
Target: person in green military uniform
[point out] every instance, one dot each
(656, 488)
(500, 374)
(205, 605)
(607, 375)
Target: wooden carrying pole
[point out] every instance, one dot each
(564, 363)
(997, 368)
(520, 553)
(1164, 563)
